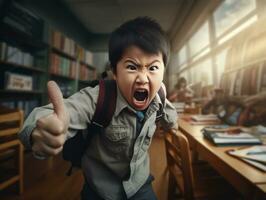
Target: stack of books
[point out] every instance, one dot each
(222, 136)
(179, 106)
(255, 156)
(204, 119)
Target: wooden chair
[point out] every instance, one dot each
(11, 149)
(191, 181)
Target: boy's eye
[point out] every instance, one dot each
(131, 67)
(153, 68)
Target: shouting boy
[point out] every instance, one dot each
(116, 162)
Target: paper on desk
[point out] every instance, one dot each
(210, 117)
(223, 128)
(254, 153)
(256, 164)
(234, 136)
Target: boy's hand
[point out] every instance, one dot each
(50, 133)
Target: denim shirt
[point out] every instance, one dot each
(115, 162)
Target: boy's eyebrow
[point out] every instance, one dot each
(138, 65)
(135, 63)
(152, 62)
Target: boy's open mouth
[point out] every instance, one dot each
(141, 95)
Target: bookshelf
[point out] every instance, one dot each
(30, 56)
(32, 53)
(69, 64)
(22, 55)
(245, 69)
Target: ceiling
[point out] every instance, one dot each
(90, 22)
(103, 16)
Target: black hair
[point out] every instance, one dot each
(179, 82)
(142, 32)
(104, 75)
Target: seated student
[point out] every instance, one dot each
(181, 93)
(236, 110)
(256, 103)
(116, 163)
(255, 99)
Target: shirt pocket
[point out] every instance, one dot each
(116, 138)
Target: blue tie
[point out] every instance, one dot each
(140, 117)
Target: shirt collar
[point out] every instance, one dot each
(121, 103)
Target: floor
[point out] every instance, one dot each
(52, 184)
(46, 180)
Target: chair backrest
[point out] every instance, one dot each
(11, 121)
(179, 162)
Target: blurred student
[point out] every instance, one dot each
(255, 99)
(237, 110)
(182, 92)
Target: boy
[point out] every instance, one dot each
(116, 163)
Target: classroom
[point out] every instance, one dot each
(132, 99)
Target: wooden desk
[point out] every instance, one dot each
(249, 181)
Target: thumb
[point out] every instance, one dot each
(56, 98)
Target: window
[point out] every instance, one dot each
(203, 61)
(238, 29)
(230, 12)
(199, 40)
(220, 64)
(202, 72)
(182, 56)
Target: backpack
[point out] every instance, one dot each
(74, 148)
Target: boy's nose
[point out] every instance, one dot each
(142, 78)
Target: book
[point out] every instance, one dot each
(209, 117)
(253, 80)
(263, 78)
(3, 50)
(254, 155)
(18, 81)
(246, 88)
(232, 80)
(223, 128)
(230, 139)
(238, 82)
(179, 106)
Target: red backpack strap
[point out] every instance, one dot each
(162, 96)
(106, 103)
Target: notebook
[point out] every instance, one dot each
(204, 119)
(230, 139)
(254, 155)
